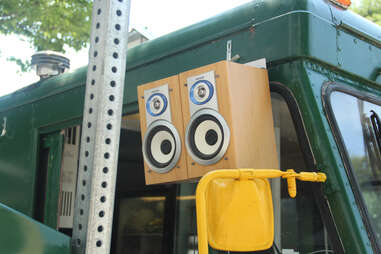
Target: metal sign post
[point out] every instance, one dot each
(101, 127)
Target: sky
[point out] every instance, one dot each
(160, 17)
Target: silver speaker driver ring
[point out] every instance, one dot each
(158, 127)
(221, 140)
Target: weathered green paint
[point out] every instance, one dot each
(23, 235)
(306, 43)
(305, 80)
(54, 142)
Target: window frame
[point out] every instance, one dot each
(310, 161)
(327, 89)
(47, 189)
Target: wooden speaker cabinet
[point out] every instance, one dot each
(162, 131)
(227, 118)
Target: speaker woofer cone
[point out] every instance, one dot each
(207, 136)
(161, 146)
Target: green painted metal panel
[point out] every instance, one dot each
(18, 160)
(22, 235)
(19, 146)
(305, 79)
(67, 106)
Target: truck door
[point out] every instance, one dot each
(57, 176)
(299, 225)
(161, 219)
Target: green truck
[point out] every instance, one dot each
(324, 66)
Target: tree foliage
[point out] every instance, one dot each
(370, 9)
(47, 24)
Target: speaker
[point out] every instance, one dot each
(227, 118)
(162, 131)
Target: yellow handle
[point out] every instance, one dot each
(311, 177)
(291, 177)
(291, 184)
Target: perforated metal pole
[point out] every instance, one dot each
(101, 127)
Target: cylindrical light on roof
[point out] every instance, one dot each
(50, 63)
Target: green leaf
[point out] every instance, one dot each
(47, 24)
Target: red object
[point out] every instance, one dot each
(343, 3)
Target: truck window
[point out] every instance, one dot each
(141, 222)
(356, 121)
(298, 224)
(143, 214)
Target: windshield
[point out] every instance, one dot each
(358, 122)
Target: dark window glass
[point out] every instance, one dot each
(140, 225)
(354, 120)
(186, 223)
(298, 224)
